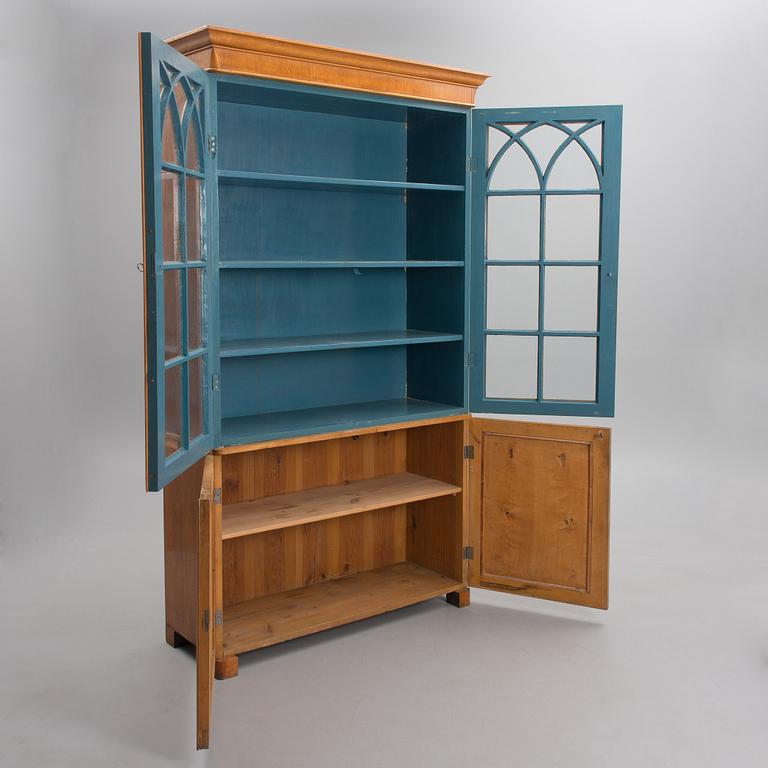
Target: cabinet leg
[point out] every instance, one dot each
(173, 638)
(460, 598)
(226, 668)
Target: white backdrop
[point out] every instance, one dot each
(81, 543)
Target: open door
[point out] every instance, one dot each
(538, 510)
(544, 257)
(204, 647)
(177, 278)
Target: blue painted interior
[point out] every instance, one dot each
(274, 223)
(264, 384)
(305, 176)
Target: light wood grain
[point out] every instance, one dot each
(354, 433)
(539, 510)
(180, 526)
(276, 618)
(204, 650)
(435, 526)
(232, 51)
(316, 504)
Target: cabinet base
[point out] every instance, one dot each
(459, 598)
(226, 668)
(174, 639)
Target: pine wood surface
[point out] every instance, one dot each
(316, 504)
(286, 615)
(539, 510)
(231, 51)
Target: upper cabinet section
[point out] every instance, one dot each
(230, 51)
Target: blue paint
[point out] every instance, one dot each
(161, 68)
(609, 180)
(273, 426)
(338, 291)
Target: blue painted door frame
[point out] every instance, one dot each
(515, 124)
(186, 165)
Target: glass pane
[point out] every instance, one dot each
(593, 138)
(196, 397)
(569, 368)
(173, 409)
(513, 298)
(170, 138)
(171, 192)
(572, 228)
(181, 99)
(514, 170)
(195, 288)
(511, 366)
(570, 298)
(172, 312)
(192, 149)
(573, 170)
(543, 141)
(194, 222)
(512, 228)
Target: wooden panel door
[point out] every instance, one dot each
(538, 511)
(204, 649)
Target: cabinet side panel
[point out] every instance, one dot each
(435, 528)
(180, 512)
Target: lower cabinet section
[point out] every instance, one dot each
(277, 540)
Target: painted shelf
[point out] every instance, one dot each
(289, 509)
(286, 615)
(329, 182)
(274, 426)
(274, 346)
(310, 264)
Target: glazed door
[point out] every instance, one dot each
(177, 280)
(544, 251)
(538, 510)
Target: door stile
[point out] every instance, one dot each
(204, 647)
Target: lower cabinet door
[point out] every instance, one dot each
(204, 648)
(538, 510)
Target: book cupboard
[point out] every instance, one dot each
(345, 263)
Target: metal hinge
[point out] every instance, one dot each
(469, 451)
(215, 382)
(469, 553)
(219, 619)
(217, 495)
(472, 164)
(206, 620)
(470, 359)
(212, 145)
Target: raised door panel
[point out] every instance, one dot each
(539, 499)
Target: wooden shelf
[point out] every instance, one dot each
(318, 264)
(286, 615)
(310, 506)
(306, 421)
(329, 182)
(274, 346)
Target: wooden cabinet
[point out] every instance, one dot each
(343, 260)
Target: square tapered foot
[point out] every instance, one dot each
(226, 668)
(173, 638)
(460, 598)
